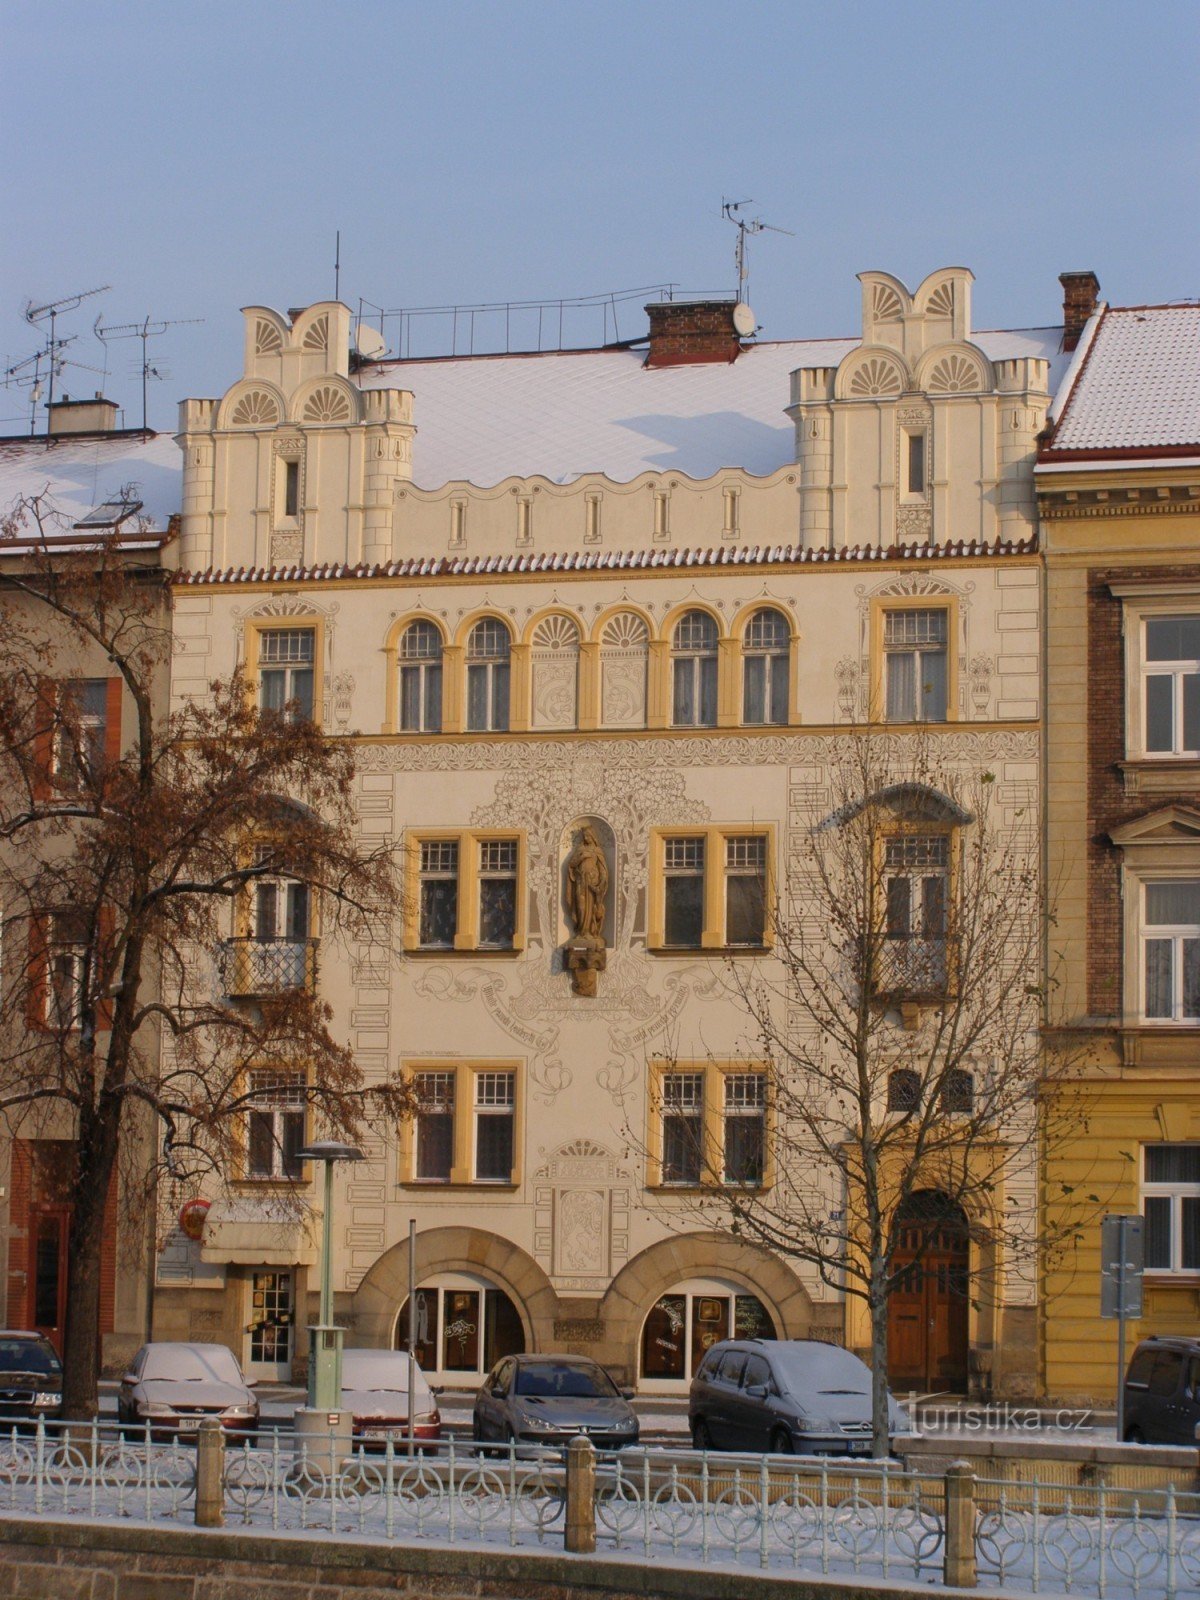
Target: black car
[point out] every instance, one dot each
(30, 1376)
(551, 1400)
(786, 1396)
(1162, 1392)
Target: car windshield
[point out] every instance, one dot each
(192, 1363)
(821, 1369)
(557, 1380)
(29, 1355)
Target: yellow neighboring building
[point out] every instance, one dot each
(1118, 482)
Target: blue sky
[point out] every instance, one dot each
(199, 157)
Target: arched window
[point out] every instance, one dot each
(689, 1319)
(765, 668)
(488, 650)
(958, 1090)
(555, 666)
(904, 1090)
(421, 679)
(462, 1327)
(694, 665)
(624, 656)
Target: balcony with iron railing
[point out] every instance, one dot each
(257, 969)
(913, 967)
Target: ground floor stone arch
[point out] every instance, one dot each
(442, 1253)
(702, 1258)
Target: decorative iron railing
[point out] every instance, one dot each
(253, 969)
(874, 1520)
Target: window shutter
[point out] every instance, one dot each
(112, 722)
(36, 975)
(43, 738)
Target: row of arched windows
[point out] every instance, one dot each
(616, 674)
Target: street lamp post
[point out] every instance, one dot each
(323, 1417)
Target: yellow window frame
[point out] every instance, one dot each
(712, 1169)
(466, 937)
(462, 1169)
(713, 934)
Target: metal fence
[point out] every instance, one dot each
(776, 1513)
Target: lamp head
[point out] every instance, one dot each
(330, 1150)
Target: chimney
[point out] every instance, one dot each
(683, 332)
(1081, 293)
(82, 416)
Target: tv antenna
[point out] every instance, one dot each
(27, 374)
(145, 330)
(746, 226)
(35, 315)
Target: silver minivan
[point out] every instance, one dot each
(789, 1396)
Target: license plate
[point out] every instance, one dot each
(385, 1433)
(859, 1447)
(189, 1424)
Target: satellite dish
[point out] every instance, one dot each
(743, 320)
(369, 342)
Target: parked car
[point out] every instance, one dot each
(30, 1376)
(174, 1387)
(552, 1399)
(375, 1390)
(785, 1395)
(1162, 1392)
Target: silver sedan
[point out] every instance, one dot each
(550, 1400)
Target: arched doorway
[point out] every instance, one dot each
(686, 1321)
(929, 1309)
(464, 1325)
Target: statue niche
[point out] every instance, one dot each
(586, 892)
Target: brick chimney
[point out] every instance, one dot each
(683, 332)
(1081, 293)
(82, 416)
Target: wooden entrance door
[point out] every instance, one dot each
(928, 1332)
(49, 1227)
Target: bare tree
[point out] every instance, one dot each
(121, 857)
(900, 1028)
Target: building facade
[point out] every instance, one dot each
(597, 624)
(80, 471)
(1119, 495)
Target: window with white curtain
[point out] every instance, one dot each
(1171, 950)
(915, 643)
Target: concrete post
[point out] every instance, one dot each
(579, 1534)
(210, 1474)
(959, 1569)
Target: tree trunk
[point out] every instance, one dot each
(878, 1303)
(96, 1162)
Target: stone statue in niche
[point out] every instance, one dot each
(587, 895)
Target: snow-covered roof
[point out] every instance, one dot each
(1137, 387)
(485, 418)
(79, 472)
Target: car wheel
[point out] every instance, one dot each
(1134, 1435)
(701, 1437)
(781, 1443)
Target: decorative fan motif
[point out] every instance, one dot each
(255, 409)
(876, 376)
(625, 631)
(317, 337)
(267, 338)
(941, 301)
(556, 633)
(886, 304)
(955, 374)
(327, 404)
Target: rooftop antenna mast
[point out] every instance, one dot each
(144, 330)
(746, 226)
(36, 315)
(337, 265)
